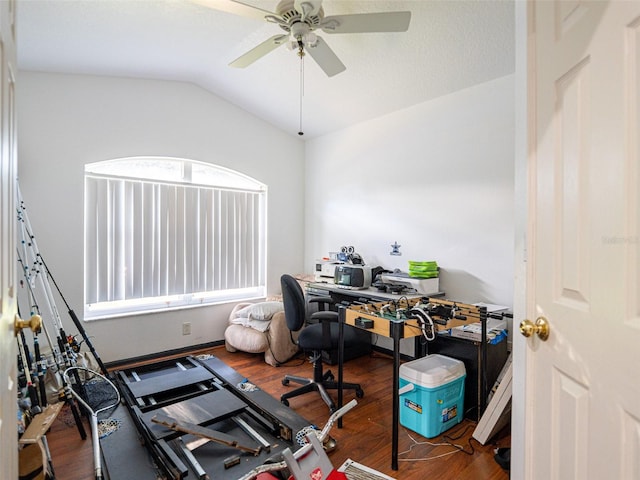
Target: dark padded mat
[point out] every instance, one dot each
(168, 381)
(203, 410)
(126, 443)
(260, 400)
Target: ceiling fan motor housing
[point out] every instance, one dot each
(292, 17)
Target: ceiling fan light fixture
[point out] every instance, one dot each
(310, 39)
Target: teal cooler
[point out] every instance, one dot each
(432, 394)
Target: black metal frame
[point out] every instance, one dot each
(214, 396)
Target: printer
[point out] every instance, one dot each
(325, 270)
(425, 286)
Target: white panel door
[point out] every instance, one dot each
(582, 414)
(8, 305)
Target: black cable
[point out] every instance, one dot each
(406, 301)
(449, 439)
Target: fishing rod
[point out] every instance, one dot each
(30, 281)
(30, 243)
(32, 393)
(40, 366)
(64, 357)
(26, 347)
(75, 320)
(21, 367)
(39, 262)
(31, 389)
(64, 395)
(35, 310)
(41, 370)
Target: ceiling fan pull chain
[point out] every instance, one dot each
(300, 132)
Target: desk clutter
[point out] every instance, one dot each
(347, 269)
(419, 316)
(403, 283)
(496, 326)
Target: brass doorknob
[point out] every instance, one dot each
(34, 323)
(540, 328)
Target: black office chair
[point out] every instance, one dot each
(314, 338)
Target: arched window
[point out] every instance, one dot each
(163, 233)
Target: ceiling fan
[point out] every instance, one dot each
(299, 19)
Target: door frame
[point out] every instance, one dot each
(520, 468)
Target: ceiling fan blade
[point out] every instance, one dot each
(260, 51)
(235, 7)
(367, 22)
(325, 58)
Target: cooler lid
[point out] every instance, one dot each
(432, 370)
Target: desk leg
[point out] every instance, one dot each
(341, 320)
(396, 334)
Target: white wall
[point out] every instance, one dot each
(438, 178)
(65, 121)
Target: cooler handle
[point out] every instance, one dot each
(409, 387)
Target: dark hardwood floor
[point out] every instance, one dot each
(365, 436)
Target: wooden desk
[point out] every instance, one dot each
(396, 329)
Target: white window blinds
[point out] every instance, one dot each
(153, 244)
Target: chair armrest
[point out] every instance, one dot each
(324, 302)
(321, 298)
(322, 316)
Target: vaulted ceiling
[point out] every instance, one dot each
(449, 46)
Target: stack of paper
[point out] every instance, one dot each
(496, 331)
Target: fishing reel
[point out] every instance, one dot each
(73, 343)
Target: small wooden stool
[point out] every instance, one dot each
(34, 451)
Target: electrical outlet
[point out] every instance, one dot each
(186, 328)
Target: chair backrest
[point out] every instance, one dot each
(295, 310)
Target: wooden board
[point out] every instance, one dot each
(40, 424)
(204, 432)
